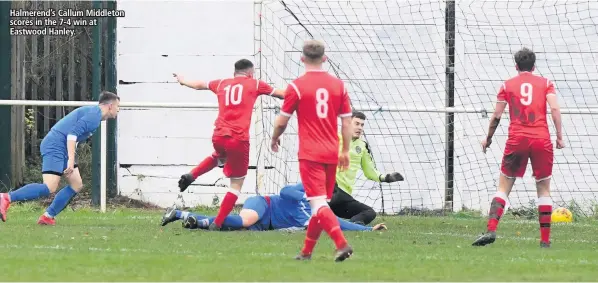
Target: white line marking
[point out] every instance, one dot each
(510, 238)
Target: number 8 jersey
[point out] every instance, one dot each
(526, 95)
(319, 99)
(236, 97)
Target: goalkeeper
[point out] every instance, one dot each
(289, 211)
(342, 203)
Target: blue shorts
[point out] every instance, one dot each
(54, 158)
(260, 205)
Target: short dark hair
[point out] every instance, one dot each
(243, 65)
(525, 59)
(359, 115)
(313, 50)
(107, 97)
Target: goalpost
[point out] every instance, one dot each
(432, 59)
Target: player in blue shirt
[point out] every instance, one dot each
(58, 157)
(288, 211)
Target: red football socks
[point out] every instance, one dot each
(228, 203)
(205, 166)
(545, 213)
(497, 208)
(329, 223)
(312, 235)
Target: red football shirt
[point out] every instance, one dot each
(526, 95)
(319, 99)
(236, 97)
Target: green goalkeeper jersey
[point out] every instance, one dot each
(360, 158)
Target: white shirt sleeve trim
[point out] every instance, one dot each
(345, 115)
(71, 138)
(285, 114)
(296, 89)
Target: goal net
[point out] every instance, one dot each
(393, 57)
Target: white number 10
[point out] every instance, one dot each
(233, 94)
(526, 92)
(322, 105)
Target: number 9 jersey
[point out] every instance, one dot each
(319, 99)
(526, 96)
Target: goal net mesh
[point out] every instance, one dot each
(393, 53)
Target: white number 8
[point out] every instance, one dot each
(322, 105)
(526, 92)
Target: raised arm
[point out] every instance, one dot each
(278, 93)
(368, 166)
(198, 85)
(555, 112)
(293, 192)
(370, 171)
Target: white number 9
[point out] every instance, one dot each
(526, 92)
(322, 105)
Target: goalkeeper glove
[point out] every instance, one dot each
(392, 177)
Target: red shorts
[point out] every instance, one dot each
(519, 149)
(233, 153)
(318, 178)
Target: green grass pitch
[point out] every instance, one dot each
(129, 245)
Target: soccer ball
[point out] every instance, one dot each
(561, 214)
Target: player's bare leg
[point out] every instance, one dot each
(205, 166)
(544, 210)
(28, 192)
(497, 208)
(228, 203)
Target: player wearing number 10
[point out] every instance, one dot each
(319, 99)
(236, 97)
(529, 138)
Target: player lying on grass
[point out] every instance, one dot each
(342, 203)
(58, 158)
(236, 97)
(287, 211)
(529, 138)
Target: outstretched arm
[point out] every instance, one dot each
(264, 88)
(370, 171)
(350, 226)
(278, 93)
(198, 85)
(293, 192)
